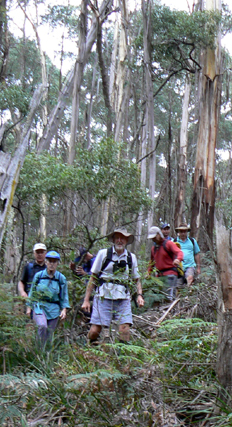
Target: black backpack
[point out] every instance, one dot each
(108, 259)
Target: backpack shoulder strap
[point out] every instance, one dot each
(30, 270)
(192, 240)
(165, 248)
(40, 277)
(107, 260)
(129, 261)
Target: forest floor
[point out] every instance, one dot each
(165, 376)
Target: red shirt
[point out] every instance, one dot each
(163, 259)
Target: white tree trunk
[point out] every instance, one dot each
(146, 9)
(10, 167)
(54, 120)
(182, 170)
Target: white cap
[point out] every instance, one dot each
(38, 246)
(153, 232)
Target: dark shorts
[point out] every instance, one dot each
(106, 310)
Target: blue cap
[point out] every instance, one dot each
(165, 226)
(53, 254)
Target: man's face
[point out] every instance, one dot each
(183, 234)
(40, 256)
(120, 242)
(157, 239)
(166, 231)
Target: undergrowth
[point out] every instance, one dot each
(172, 372)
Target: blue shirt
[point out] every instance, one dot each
(189, 250)
(48, 295)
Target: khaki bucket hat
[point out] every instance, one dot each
(122, 231)
(183, 226)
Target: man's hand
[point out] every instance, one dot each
(79, 270)
(63, 314)
(86, 306)
(28, 311)
(176, 262)
(23, 294)
(72, 265)
(140, 301)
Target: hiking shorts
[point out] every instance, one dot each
(106, 310)
(190, 271)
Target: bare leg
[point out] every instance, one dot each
(190, 280)
(94, 332)
(124, 332)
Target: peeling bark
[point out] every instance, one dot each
(224, 354)
(10, 167)
(203, 199)
(182, 167)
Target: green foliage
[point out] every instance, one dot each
(100, 173)
(14, 98)
(63, 16)
(175, 35)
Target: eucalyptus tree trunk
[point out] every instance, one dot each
(99, 16)
(182, 166)
(203, 199)
(118, 94)
(10, 166)
(149, 117)
(143, 167)
(224, 353)
(122, 82)
(4, 40)
(43, 201)
(91, 103)
(78, 77)
(86, 42)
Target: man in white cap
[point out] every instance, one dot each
(110, 274)
(191, 252)
(165, 258)
(31, 268)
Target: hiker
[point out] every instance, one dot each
(165, 228)
(48, 297)
(31, 268)
(165, 258)
(87, 262)
(111, 274)
(191, 251)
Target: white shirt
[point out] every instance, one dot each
(109, 289)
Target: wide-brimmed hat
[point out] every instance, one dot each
(153, 231)
(122, 231)
(183, 226)
(38, 246)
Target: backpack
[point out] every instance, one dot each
(179, 269)
(54, 279)
(31, 273)
(108, 259)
